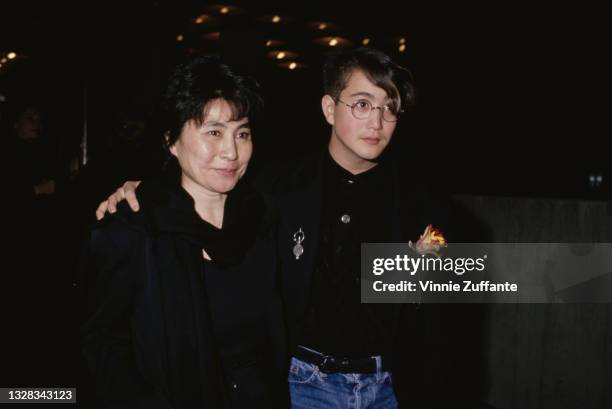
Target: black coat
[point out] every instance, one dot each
(428, 345)
(166, 329)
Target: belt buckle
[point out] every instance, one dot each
(328, 364)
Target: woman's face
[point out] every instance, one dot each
(214, 155)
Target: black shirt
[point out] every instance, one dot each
(355, 209)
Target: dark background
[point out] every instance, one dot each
(510, 114)
(510, 93)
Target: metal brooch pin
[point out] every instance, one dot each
(298, 238)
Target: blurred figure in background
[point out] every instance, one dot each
(34, 297)
(31, 155)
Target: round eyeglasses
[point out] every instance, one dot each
(362, 109)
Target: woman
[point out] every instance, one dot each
(184, 308)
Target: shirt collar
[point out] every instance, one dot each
(335, 173)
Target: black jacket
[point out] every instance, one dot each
(429, 342)
(166, 329)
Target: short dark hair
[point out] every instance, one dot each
(395, 80)
(199, 81)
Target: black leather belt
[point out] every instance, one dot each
(333, 364)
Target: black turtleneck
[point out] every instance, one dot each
(355, 209)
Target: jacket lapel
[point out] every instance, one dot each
(300, 208)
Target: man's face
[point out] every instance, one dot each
(28, 125)
(355, 143)
(214, 155)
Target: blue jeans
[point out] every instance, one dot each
(313, 389)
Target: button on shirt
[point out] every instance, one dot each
(355, 209)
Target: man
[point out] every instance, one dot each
(334, 203)
(30, 226)
(348, 354)
(31, 154)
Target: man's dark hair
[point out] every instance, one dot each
(201, 80)
(377, 66)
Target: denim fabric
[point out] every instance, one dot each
(313, 389)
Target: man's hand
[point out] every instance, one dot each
(127, 192)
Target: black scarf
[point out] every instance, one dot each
(173, 210)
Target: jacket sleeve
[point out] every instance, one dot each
(112, 262)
